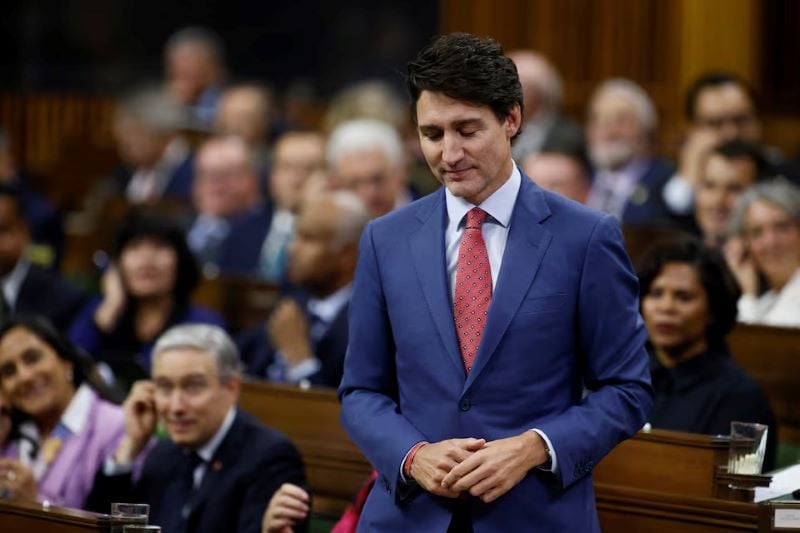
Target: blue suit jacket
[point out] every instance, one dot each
(564, 316)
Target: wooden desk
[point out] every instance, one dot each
(336, 469)
(33, 518)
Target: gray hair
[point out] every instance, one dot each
(637, 96)
(779, 192)
(533, 68)
(198, 35)
(362, 135)
(353, 219)
(206, 338)
(154, 108)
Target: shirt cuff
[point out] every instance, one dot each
(553, 458)
(405, 458)
(678, 195)
(112, 468)
(303, 370)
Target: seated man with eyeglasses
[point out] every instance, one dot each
(219, 467)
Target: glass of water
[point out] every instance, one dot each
(138, 528)
(123, 514)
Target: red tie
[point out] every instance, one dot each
(473, 287)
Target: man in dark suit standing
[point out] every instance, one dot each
(219, 467)
(496, 352)
(306, 336)
(28, 288)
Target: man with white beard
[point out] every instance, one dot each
(627, 180)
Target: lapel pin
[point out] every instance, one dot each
(217, 466)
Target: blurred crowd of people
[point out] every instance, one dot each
(219, 183)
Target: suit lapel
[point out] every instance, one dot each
(428, 256)
(525, 248)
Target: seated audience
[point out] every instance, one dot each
(726, 173)
(194, 65)
(157, 162)
(298, 156)
(145, 291)
(688, 300)
(764, 253)
(560, 170)
(246, 111)
(63, 431)
(627, 180)
(218, 467)
(232, 218)
(367, 157)
(720, 107)
(542, 123)
(306, 336)
(28, 288)
(44, 221)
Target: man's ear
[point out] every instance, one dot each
(513, 121)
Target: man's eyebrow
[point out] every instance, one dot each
(476, 121)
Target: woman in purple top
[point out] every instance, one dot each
(62, 431)
(146, 290)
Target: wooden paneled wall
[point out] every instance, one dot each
(661, 44)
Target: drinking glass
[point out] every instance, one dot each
(747, 448)
(128, 514)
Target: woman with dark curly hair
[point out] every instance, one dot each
(146, 290)
(688, 301)
(58, 430)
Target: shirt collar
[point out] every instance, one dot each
(12, 283)
(686, 374)
(327, 308)
(499, 205)
(73, 419)
(207, 451)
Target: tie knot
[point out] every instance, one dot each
(476, 217)
(194, 459)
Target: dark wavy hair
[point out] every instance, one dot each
(139, 225)
(50, 335)
(468, 68)
(722, 290)
(714, 80)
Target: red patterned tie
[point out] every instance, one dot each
(473, 287)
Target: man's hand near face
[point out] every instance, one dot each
(497, 467)
(140, 421)
(288, 330)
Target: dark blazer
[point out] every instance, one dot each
(179, 186)
(240, 252)
(258, 353)
(44, 293)
(706, 393)
(251, 463)
(564, 318)
(646, 205)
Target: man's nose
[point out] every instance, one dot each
(452, 149)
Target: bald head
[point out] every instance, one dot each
(323, 256)
(245, 111)
(541, 84)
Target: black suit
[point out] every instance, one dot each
(45, 293)
(251, 463)
(258, 353)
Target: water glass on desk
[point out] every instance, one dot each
(747, 448)
(123, 514)
(138, 528)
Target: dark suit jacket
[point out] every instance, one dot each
(45, 293)
(646, 205)
(258, 353)
(251, 463)
(179, 186)
(240, 252)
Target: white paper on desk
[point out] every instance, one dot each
(783, 482)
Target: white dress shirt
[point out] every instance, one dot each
(499, 206)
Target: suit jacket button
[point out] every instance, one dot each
(465, 404)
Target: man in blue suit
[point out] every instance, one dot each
(496, 351)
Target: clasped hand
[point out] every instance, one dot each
(486, 470)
